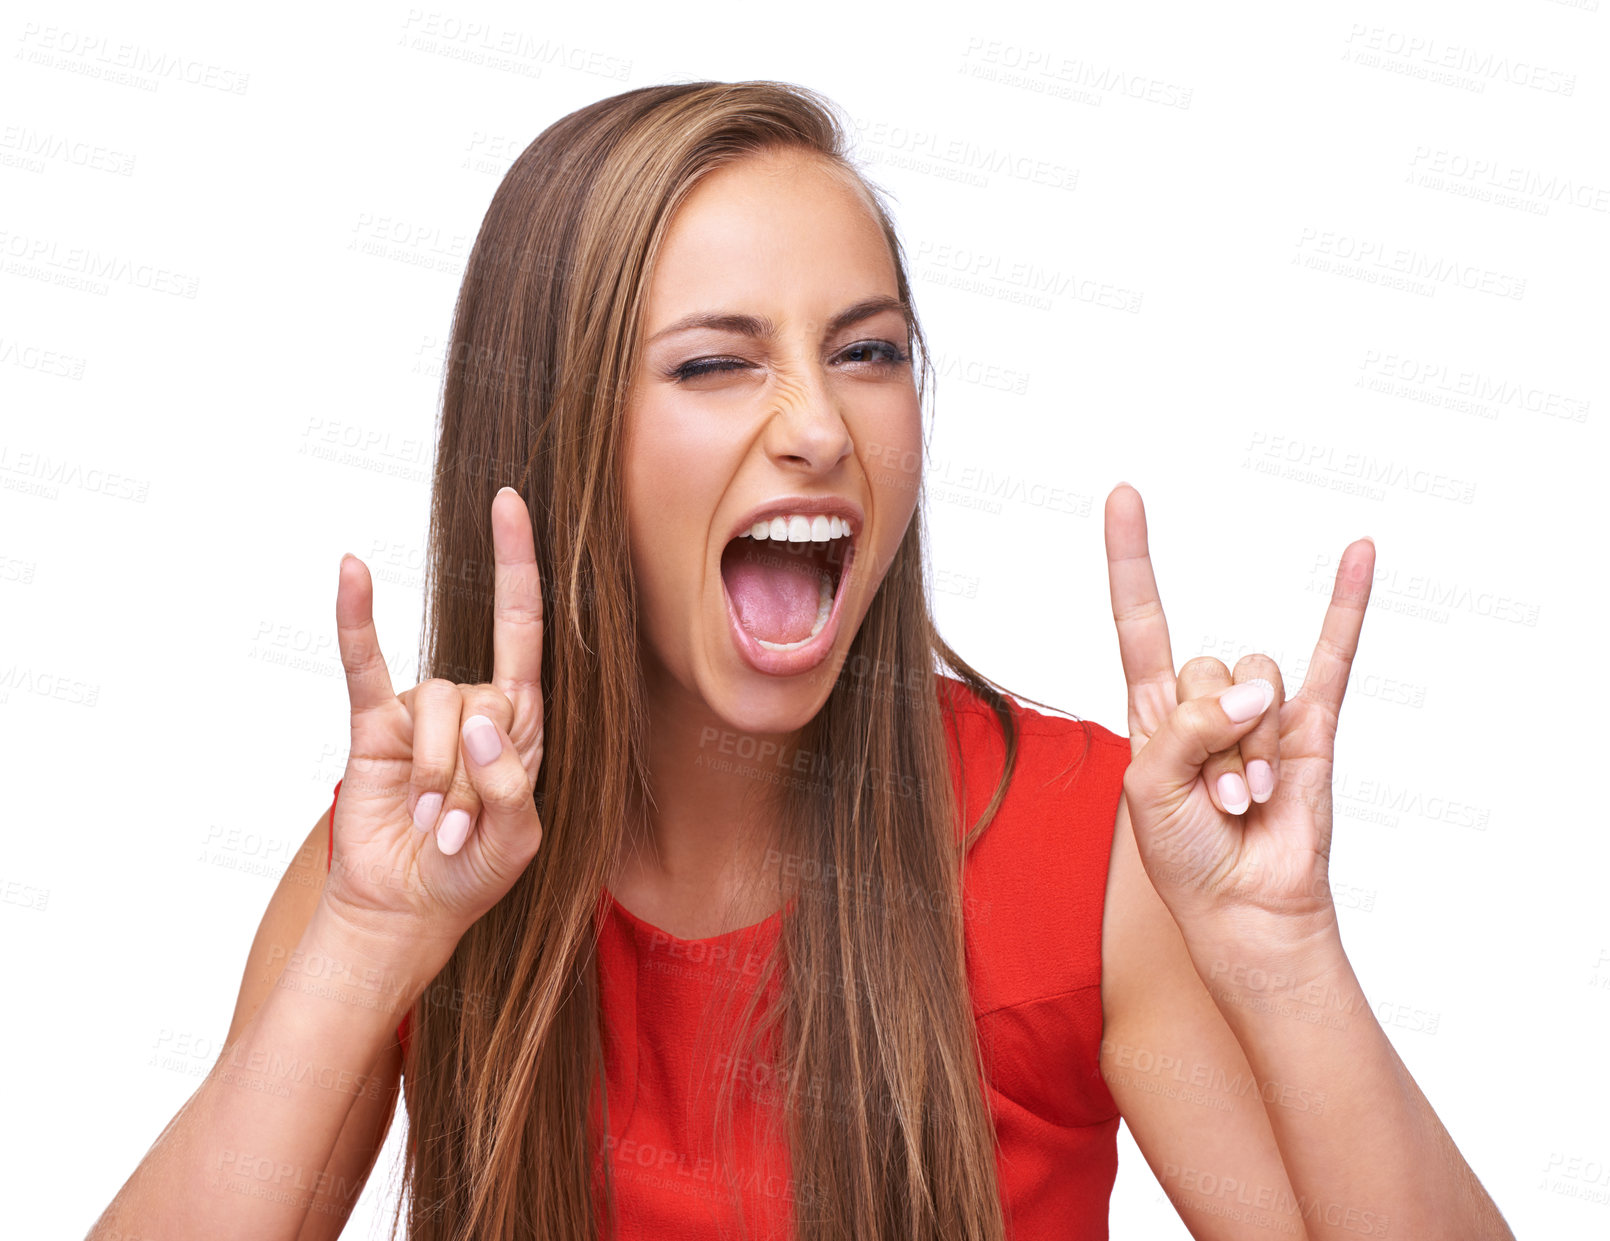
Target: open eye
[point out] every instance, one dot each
(875, 353)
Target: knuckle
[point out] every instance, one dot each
(490, 701)
(463, 784)
(506, 790)
(1204, 668)
(1196, 723)
(432, 774)
(1257, 664)
(358, 660)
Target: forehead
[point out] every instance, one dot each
(776, 232)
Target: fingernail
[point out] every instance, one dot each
(1260, 779)
(1244, 701)
(1233, 792)
(426, 810)
(481, 739)
(455, 827)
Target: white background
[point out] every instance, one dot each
(182, 470)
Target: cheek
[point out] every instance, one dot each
(891, 454)
(674, 478)
(677, 460)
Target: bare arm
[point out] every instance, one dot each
(1278, 1110)
(1227, 809)
(374, 1105)
(279, 1137)
(1378, 1149)
(276, 1141)
(1180, 1079)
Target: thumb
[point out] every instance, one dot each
(1173, 757)
(508, 826)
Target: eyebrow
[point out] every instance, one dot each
(761, 326)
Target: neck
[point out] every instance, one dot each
(698, 863)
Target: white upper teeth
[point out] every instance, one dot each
(798, 528)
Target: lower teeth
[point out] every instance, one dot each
(824, 606)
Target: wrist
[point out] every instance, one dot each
(1298, 972)
(1270, 937)
(366, 966)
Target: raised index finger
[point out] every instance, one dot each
(516, 604)
(1136, 609)
(368, 681)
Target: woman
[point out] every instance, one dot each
(685, 895)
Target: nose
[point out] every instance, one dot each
(807, 429)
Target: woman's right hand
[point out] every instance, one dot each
(420, 884)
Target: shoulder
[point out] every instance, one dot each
(1062, 763)
(1035, 879)
(1034, 886)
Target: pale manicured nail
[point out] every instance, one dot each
(455, 827)
(1260, 779)
(481, 740)
(1233, 792)
(1244, 701)
(426, 810)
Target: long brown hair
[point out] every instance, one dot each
(505, 1057)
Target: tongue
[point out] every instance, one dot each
(775, 593)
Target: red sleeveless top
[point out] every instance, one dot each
(1033, 886)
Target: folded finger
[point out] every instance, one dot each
(1260, 749)
(1170, 764)
(1223, 773)
(437, 707)
(509, 829)
(461, 808)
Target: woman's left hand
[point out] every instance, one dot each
(1229, 865)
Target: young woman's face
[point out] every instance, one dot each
(794, 405)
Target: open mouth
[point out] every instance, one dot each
(783, 589)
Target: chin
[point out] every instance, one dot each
(758, 703)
